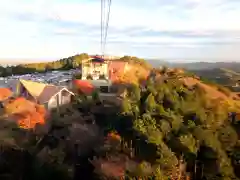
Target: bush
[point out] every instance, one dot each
(219, 87)
(224, 90)
(78, 76)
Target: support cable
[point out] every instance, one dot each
(107, 24)
(104, 23)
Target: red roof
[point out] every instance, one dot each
(97, 60)
(85, 86)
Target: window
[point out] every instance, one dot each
(86, 65)
(104, 89)
(102, 76)
(97, 65)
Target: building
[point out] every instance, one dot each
(50, 96)
(117, 67)
(95, 68)
(108, 57)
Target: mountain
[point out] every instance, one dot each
(196, 65)
(176, 127)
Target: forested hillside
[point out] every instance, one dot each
(197, 65)
(173, 128)
(62, 64)
(182, 122)
(226, 77)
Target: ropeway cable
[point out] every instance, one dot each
(104, 29)
(107, 24)
(101, 25)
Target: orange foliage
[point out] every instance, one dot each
(110, 168)
(29, 120)
(238, 117)
(188, 177)
(26, 113)
(40, 109)
(5, 93)
(132, 75)
(19, 105)
(114, 136)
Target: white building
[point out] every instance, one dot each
(95, 68)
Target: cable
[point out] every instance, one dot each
(107, 24)
(101, 24)
(104, 31)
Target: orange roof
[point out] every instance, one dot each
(85, 86)
(5, 93)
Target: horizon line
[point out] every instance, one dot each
(170, 60)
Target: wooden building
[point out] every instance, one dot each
(46, 94)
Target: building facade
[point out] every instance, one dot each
(45, 94)
(95, 69)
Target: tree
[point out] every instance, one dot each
(95, 96)
(126, 106)
(150, 103)
(228, 137)
(136, 93)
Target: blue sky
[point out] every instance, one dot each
(167, 29)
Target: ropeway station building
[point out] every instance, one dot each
(101, 74)
(95, 70)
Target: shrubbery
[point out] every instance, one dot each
(164, 131)
(176, 121)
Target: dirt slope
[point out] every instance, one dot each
(211, 91)
(231, 102)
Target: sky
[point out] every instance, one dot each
(206, 30)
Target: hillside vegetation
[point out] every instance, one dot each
(172, 126)
(180, 121)
(62, 64)
(223, 76)
(134, 72)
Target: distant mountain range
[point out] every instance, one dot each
(13, 62)
(155, 63)
(197, 65)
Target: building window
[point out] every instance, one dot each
(102, 76)
(65, 93)
(86, 65)
(97, 65)
(89, 77)
(104, 89)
